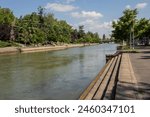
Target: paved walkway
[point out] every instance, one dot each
(127, 83)
(134, 76)
(141, 67)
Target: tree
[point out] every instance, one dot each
(147, 31)
(7, 21)
(43, 28)
(142, 27)
(143, 30)
(74, 35)
(6, 16)
(96, 38)
(124, 26)
(81, 32)
(65, 31)
(41, 18)
(92, 37)
(104, 37)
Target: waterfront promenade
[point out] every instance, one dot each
(127, 78)
(141, 67)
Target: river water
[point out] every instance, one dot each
(60, 74)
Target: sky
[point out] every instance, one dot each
(95, 15)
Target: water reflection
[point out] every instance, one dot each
(51, 75)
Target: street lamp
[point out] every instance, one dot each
(130, 37)
(133, 34)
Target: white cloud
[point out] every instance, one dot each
(69, 1)
(97, 26)
(114, 20)
(141, 5)
(87, 14)
(107, 25)
(60, 7)
(128, 7)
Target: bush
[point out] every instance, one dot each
(8, 44)
(4, 44)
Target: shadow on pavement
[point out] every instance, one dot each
(145, 57)
(129, 91)
(143, 91)
(146, 52)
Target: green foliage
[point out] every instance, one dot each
(79, 36)
(42, 28)
(124, 26)
(39, 28)
(8, 44)
(142, 28)
(127, 24)
(6, 16)
(4, 44)
(92, 37)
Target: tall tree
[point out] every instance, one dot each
(41, 18)
(125, 25)
(7, 21)
(74, 35)
(81, 32)
(142, 30)
(104, 37)
(42, 28)
(6, 16)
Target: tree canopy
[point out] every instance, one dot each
(6, 16)
(124, 26)
(142, 28)
(129, 25)
(43, 28)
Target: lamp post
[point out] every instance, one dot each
(133, 35)
(130, 38)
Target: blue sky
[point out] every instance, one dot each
(96, 15)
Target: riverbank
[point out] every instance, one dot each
(12, 50)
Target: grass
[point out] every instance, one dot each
(131, 51)
(4, 44)
(8, 44)
(127, 49)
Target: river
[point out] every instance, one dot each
(51, 75)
